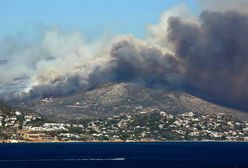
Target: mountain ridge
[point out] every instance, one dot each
(115, 98)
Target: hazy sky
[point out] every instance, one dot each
(92, 17)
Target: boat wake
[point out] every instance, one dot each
(68, 159)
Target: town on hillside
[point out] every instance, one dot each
(150, 124)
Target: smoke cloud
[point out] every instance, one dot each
(55, 65)
(224, 5)
(205, 55)
(215, 53)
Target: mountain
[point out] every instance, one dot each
(123, 98)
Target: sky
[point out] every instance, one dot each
(91, 17)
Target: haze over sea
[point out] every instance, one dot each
(107, 155)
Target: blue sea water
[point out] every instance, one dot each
(125, 155)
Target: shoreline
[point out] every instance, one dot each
(56, 142)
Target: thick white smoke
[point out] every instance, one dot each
(49, 61)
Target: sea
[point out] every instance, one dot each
(125, 155)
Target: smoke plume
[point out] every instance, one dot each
(215, 53)
(205, 55)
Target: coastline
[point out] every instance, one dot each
(169, 141)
